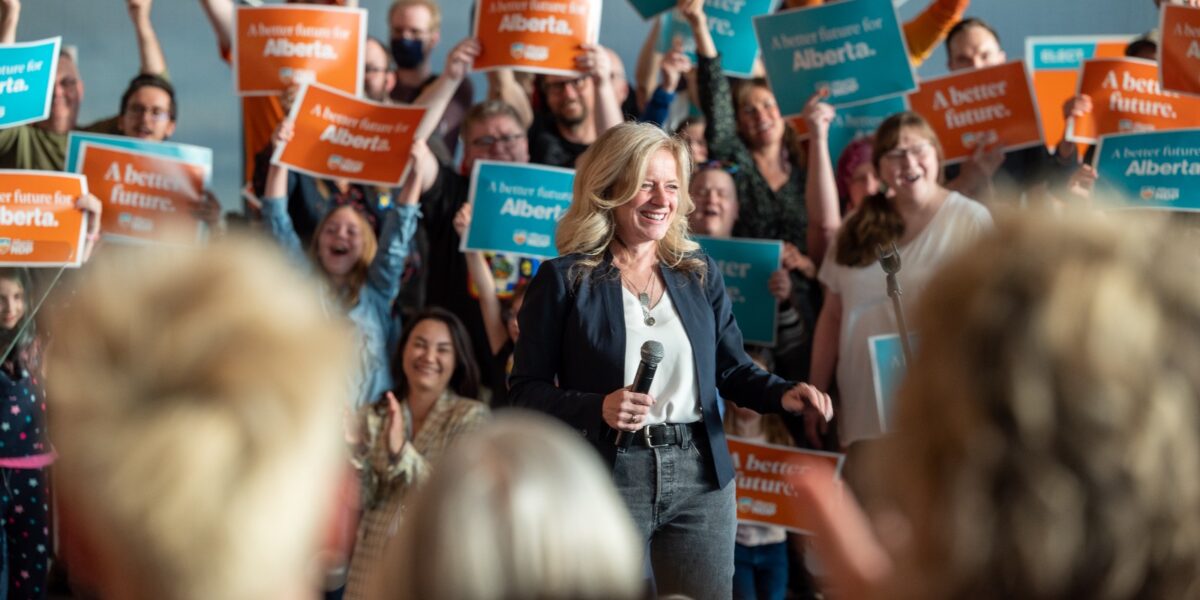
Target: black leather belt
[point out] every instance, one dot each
(668, 434)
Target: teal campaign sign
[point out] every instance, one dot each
(887, 370)
(195, 155)
(649, 8)
(854, 48)
(860, 120)
(747, 266)
(27, 77)
(517, 207)
(731, 24)
(1158, 169)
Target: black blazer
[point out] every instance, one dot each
(573, 332)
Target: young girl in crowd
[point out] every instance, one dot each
(363, 273)
(24, 450)
(499, 317)
(761, 556)
(437, 380)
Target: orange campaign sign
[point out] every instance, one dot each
(1055, 62)
(340, 136)
(146, 197)
(278, 46)
(1127, 98)
(1179, 51)
(39, 224)
(764, 495)
(542, 36)
(973, 107)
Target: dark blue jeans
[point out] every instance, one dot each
(686, 520)
(760, 572)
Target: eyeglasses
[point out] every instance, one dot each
(138, 111)
(557, 87)
(488, 141)
(917, 151)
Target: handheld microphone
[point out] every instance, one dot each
(652, 354)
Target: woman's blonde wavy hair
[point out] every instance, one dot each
(607, 176)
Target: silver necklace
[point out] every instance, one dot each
(643, 298)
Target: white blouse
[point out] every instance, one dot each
(676, 397)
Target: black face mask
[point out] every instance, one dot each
(408, 54)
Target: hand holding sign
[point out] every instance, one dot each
(818, 115)
(461, 57)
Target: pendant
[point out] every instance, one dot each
(649, 321)
(644, 299)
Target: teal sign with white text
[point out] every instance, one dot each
(854, 48)
(747, 266)
(731, 24)
(27, 77)
(649, 8)
(1158, 169)
(887, 371)
(516, 207)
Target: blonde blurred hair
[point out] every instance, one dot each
(1048, 439)
(195, 406)
(520, 509)
(608, 175)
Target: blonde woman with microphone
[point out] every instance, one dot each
(628, 274)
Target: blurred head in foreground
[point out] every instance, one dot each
(521, 509)
(1048, 437)
(195, 407)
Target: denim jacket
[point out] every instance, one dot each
(372, 316)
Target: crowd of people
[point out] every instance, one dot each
(329, 397)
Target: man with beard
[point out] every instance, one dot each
(578, 109)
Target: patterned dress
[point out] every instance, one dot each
(388, 480)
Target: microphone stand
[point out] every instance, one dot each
(890, 261)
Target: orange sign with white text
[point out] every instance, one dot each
(39, 224)
(340, 136)
(1127, 98)
(145, 196)
(275, 47)
(1055, 62)
(541, 36)
(1179, 51)
(764, 495)
(978, 106)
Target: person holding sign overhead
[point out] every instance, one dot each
(363, 272)
(629, 275)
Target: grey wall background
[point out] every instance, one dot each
(209, 111)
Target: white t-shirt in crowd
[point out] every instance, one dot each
(676, 397)
(867, 309)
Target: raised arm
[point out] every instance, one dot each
(485, 284)
(150, 52)
(275, 198)
(503, 86)
(437, 96)
(10, 15)
(927, 29)
(395, 237)
(595, 61)
(820, 194)
(645, 73)
(716, 101)
(220, 16)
